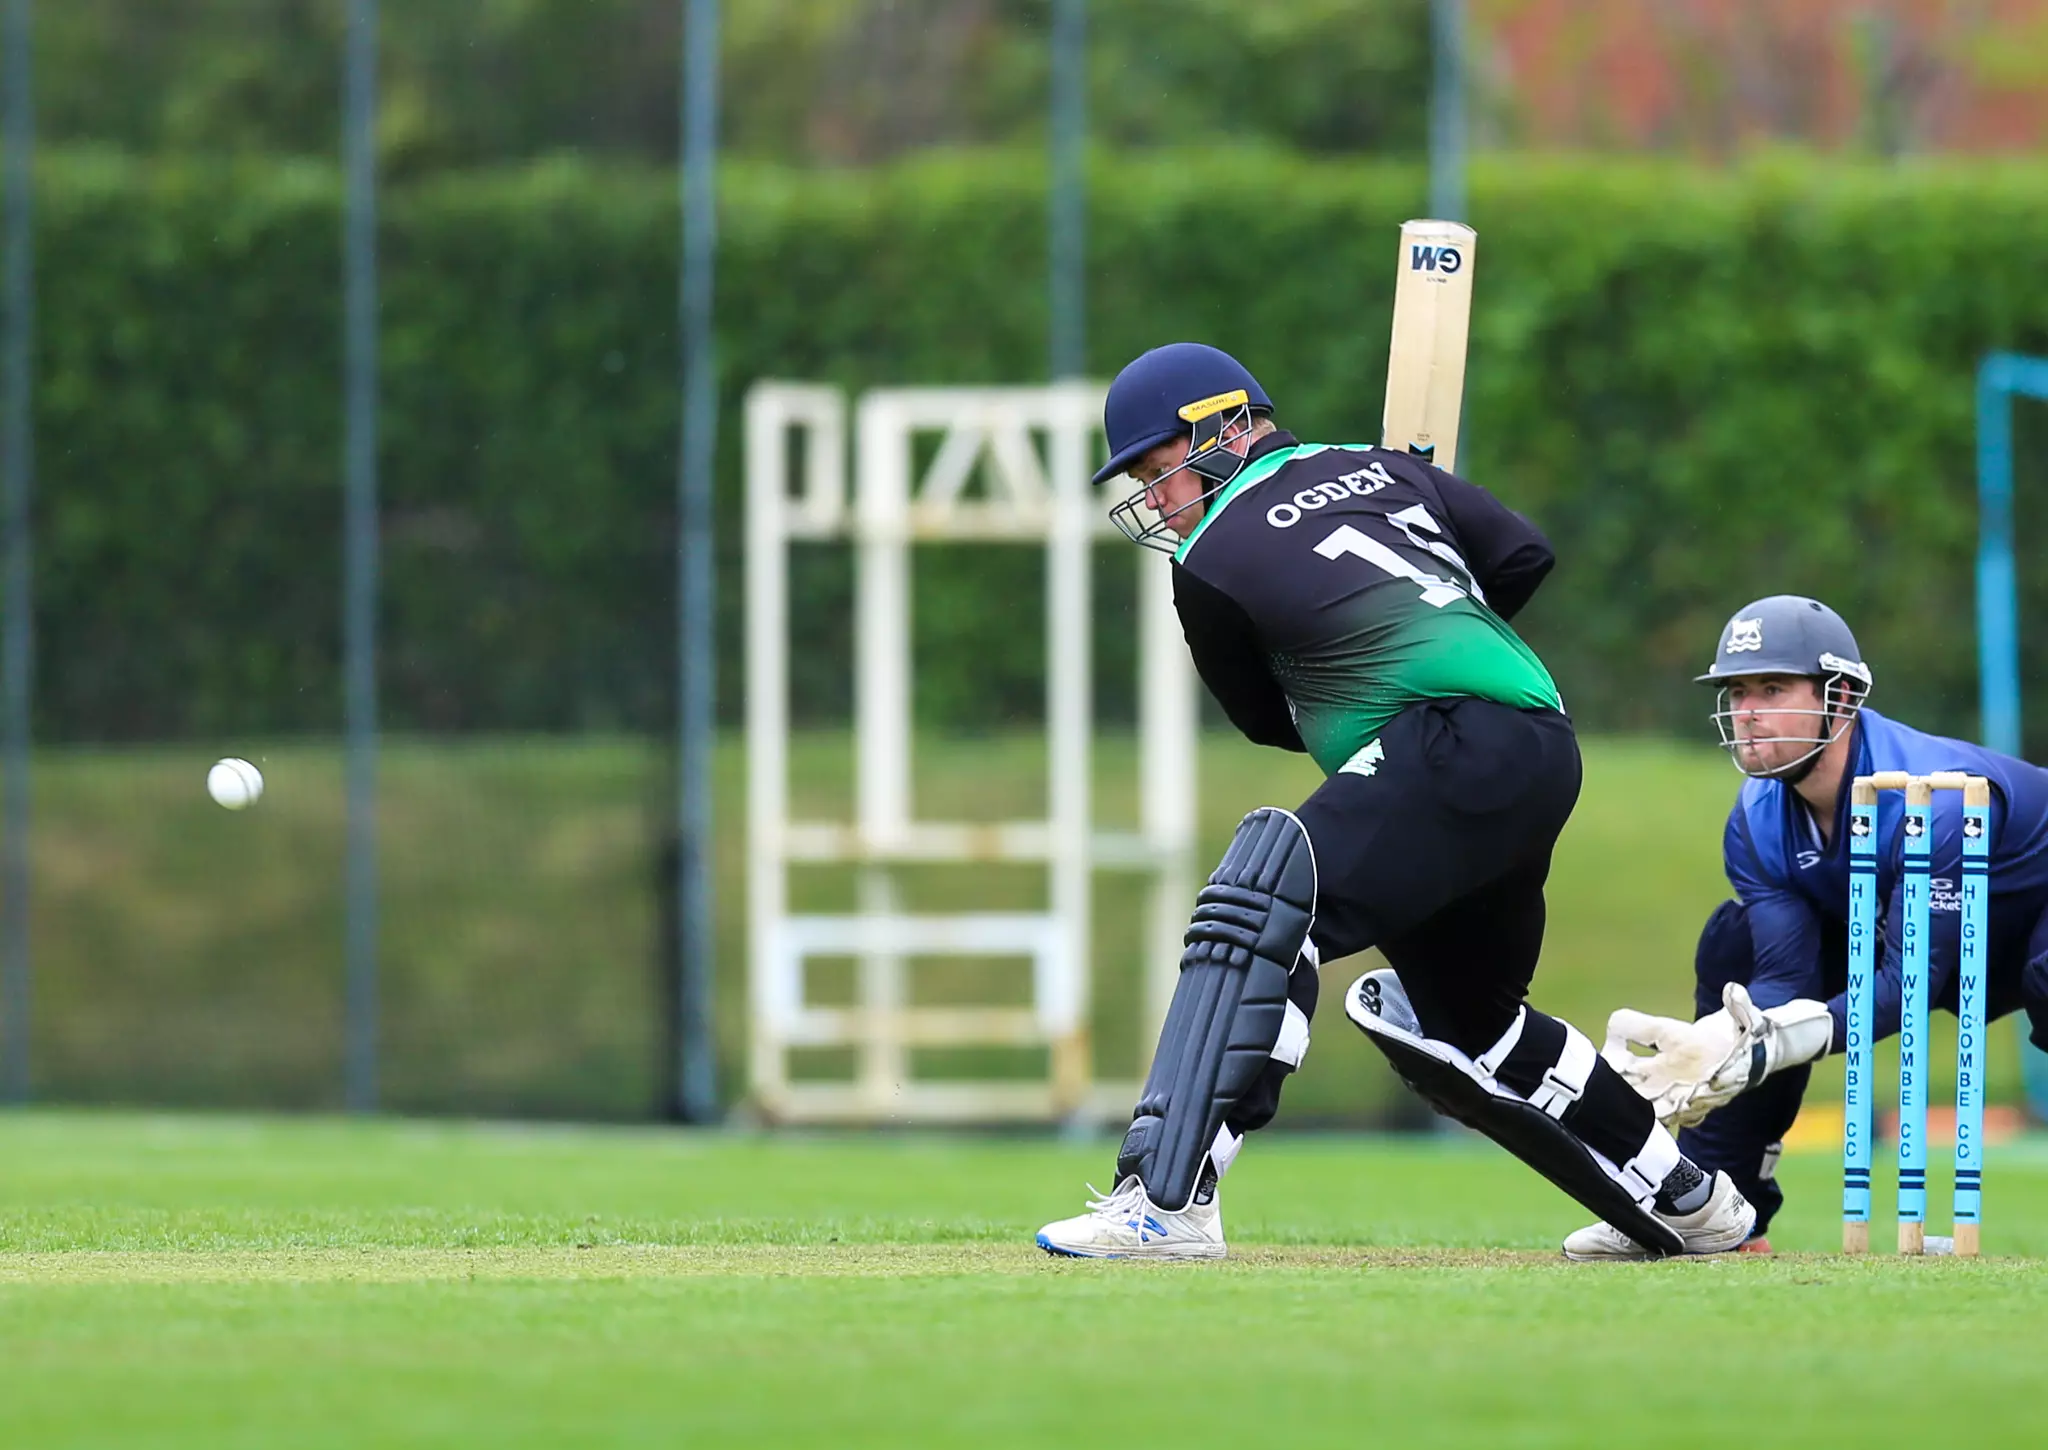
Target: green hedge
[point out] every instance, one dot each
(1706, 385)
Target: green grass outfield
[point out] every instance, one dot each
(220, 1283)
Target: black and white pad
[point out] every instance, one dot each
(1528, 1127)
(1230, 1007)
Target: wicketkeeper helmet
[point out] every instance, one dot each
(1789, 634)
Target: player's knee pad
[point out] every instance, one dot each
(1232, 1013)
(1532, 1126)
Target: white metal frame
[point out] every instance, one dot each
(1036, 447)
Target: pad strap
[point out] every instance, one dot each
(1494, 1056)
(1293, 1044)
(1645, 1173)
(1564, 1082)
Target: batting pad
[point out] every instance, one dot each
(1229, 1012)
(1467, 1091)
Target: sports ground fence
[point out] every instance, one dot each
(204, 363)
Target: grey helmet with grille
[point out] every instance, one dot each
(1789, 634)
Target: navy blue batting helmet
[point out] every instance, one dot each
(1143, 409)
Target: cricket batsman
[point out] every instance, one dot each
(1772, 964)
(1353, 602)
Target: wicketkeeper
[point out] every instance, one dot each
(1772, 964)
(1352, 602)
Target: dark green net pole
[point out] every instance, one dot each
(1447, 111)
(360, 557)
(697, 677)
(1068, 210)
(17, 487)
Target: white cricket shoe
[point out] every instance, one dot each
(1718, 1227)
(1128, 1225)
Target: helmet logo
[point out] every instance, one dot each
(1744, 634)
(1202, 408)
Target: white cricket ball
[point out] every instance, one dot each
(234, 783)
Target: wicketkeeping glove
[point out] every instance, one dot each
(1687, 1069)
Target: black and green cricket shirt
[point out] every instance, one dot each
(1328, 587)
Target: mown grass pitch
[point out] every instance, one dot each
(234, 1282)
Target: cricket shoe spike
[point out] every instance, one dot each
(1718, 1226)
(1128, 1225)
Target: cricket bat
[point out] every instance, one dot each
(1426, 360)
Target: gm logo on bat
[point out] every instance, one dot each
(1447, 260)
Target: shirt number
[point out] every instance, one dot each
(1414, 522)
